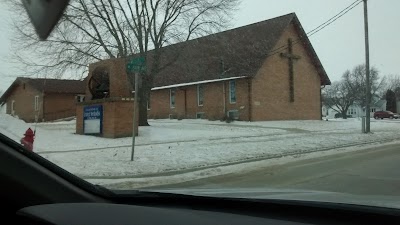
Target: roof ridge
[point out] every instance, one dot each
(293, 14)
(41, 78)
(248, 25)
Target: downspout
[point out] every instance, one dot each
(185, 113)
(222, 72)
(44, 94)
(320, 102)
(249, 100)
(224, 97)
(43, 101)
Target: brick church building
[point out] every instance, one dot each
(263, 71)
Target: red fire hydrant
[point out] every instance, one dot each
(27, 141)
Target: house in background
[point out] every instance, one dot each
(263, 71)
(356, 111)
(40, 99)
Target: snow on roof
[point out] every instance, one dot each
(197, 82)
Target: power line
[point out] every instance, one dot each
(344, 13)
(335, 16)
(320, 27)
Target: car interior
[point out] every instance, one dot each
(35, 191)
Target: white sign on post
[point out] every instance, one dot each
(93, 119)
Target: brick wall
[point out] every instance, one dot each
(79, 118)
(159, 104)
(242, 99)
(118, 117)
(186, 101)
(270, 87)
(58, 106)
(24, 105)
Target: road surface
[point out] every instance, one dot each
(374, 171)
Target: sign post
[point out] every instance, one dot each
(135, 66)
(135, 114)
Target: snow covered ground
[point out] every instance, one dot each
(171, 145)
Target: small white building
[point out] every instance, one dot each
(356, 111)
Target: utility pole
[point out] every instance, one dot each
(368, 89)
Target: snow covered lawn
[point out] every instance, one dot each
(172, 145)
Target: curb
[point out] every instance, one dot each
(158, 143)
(169, 142)
(248, 160)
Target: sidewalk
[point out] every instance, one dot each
(242, 161)
(181, 176)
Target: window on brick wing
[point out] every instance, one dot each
(172, 98)
(12, 107)
(80, 98)
(232, 91)
(37, 103)
(200, 95)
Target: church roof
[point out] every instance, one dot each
(233, 53)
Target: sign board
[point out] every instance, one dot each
(136, 65)
(93, 119)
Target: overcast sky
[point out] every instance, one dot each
(339, 46)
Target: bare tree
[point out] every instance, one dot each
(391, 104)
(355, 82)
(93, 30)
(351, 89)
(338, 97)
(393, 83)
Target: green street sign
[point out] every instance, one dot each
(136, 65)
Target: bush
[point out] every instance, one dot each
(213, 118)
(228, 119)
(173, 117)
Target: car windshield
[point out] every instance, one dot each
(227, 95)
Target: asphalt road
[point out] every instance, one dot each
(374, 171)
